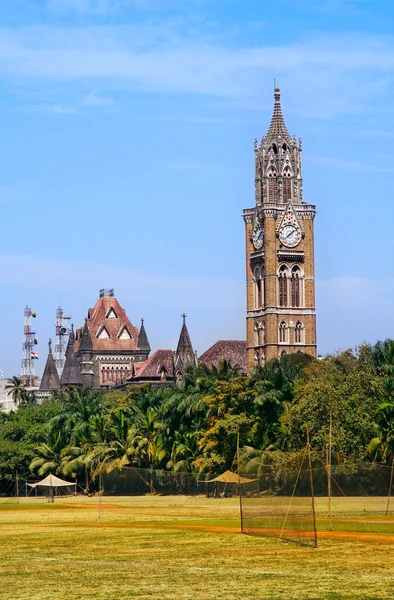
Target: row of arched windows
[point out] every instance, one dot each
(290, 286)
(113, 375)
(273, 185)
(284, 333)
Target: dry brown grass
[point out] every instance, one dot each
(174, 548)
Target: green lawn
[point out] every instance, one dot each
(178, 548)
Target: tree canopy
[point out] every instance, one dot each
(194, 427)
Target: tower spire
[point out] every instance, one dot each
(71, 374)
(143, 342)
(277, 129)
(184, 355)
(50, 378)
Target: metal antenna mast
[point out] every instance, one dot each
(28, 354)
(62, 331)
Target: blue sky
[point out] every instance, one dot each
(127, 157)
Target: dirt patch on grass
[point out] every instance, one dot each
(275, 533)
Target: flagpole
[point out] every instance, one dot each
(312, 490)
(239, 487)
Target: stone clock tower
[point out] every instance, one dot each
(280, 285)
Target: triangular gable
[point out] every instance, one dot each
(161, 369)
(289, 218)
(102, 333)
(111, 314)
(124, 333)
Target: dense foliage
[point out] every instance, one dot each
(195, 427)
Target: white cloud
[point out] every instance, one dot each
(324, 76)
(94, 100)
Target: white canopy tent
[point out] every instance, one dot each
(52, 482)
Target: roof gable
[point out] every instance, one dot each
(102, 333)
(110, 328)
(123, 333)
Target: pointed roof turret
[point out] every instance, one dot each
(71, 373)
(143, 342)
(278, 129)
(86, 341)
(50, 378)
(184, 355)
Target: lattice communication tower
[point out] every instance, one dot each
(62, 331)
(28, 372)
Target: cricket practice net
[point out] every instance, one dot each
(297, 504)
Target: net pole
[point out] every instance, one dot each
(312, 490)
(17, 487)
(99, 499)
(329, 463)
(390, 486)
(26, 488)
(239, 488)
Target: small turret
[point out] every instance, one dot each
(85, 353)
(184, 355)
(71, 374)
(143, 343)
(50, 378)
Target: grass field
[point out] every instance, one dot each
(179, 547)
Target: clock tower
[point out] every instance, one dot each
(280, 281)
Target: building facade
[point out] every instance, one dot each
(280, 280)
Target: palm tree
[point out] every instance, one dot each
(17, 389)
(50, 457)
(185, 450)
(113, 450)
(383, 355)
(78, 407)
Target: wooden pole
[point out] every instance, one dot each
(17, 487)
(390, 486)
(329, 463)
(312, 490)
(99, 500)
(239, 487)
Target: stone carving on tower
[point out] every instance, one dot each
(280, 282)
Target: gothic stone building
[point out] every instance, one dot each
(280, 282)
(108, 351)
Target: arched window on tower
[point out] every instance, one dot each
(286, 190)
(299, 333)
(283, 332)
(283, 291)
(296, 286)
(272, 185)
(258, 283)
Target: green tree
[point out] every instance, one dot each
(16, 389)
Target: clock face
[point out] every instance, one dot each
(258, 237)
(290, 236)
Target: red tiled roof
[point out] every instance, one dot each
(232, 350)
(152, 367)
(97, 319)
